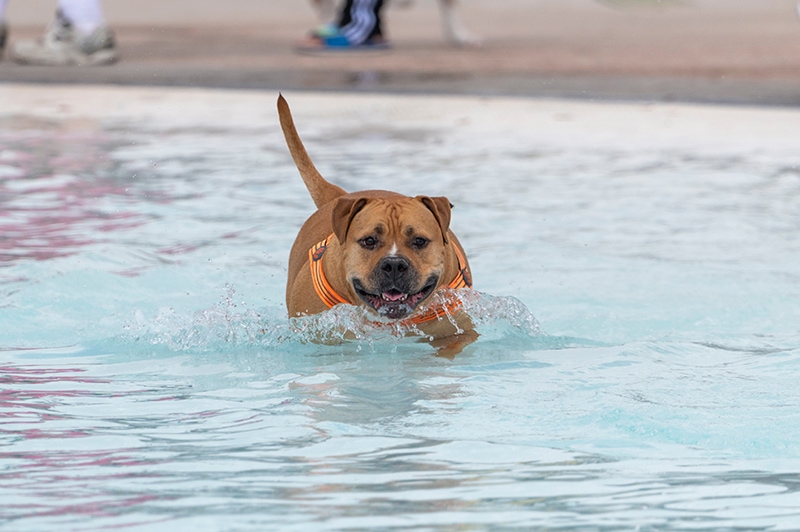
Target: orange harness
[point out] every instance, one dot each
(330, 297)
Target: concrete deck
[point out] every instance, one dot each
(721, 51)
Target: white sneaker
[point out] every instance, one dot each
(61, 45)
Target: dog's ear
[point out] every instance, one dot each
(344, 210)
(440, 207)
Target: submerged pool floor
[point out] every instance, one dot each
(639, 309)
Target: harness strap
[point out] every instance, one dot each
(324, 290)
(462, 278)
(330, 297)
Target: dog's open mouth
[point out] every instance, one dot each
(393, 303)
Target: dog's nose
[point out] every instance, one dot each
(394, 266)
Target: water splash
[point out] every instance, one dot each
(232, 324)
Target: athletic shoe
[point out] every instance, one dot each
(61, 45)
(328, 38)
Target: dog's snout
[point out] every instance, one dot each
(394, 266)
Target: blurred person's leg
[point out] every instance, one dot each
(77, 36)
(358, 26)
(3, 25)
(361, 21)
(84, 15)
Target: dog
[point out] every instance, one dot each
(454, 31)
(391, 254)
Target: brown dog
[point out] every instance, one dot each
(380, 250)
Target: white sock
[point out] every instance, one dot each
(85, 15)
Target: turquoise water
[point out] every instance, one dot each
(638, 300)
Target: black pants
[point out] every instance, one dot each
(361, 20)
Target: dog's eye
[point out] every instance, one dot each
(369, 242)
(420, 242)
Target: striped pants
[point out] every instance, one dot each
(361, 20)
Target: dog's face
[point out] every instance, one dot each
(394, 249)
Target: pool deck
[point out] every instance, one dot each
(705, 51)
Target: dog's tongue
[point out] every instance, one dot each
(393, 295)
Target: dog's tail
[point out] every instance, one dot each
(321, 191)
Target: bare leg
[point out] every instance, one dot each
(454, 31)
(326, 11)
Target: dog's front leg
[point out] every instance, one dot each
(450, 346)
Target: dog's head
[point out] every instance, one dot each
(394, 249)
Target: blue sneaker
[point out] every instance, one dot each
(328, 38)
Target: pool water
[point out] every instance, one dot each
(638, 299)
